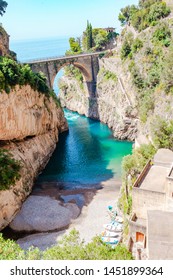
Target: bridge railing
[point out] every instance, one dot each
(29, 61)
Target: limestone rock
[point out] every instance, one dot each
(28, 114)
(73, 208)
(25, 112)
(113, 104)
(41, 213)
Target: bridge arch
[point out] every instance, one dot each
(87, 63)
(86, 75)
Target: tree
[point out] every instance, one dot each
(3, 6)
(89, 36)
(100, 38)
(74, 45)
(147, 3)
(126, 14)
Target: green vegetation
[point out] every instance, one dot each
(162, 35)
(89, 36)
(167, 71)
(132, 165)
(130, 46)
(75, 46)
(126, 49)
(136, 45)
(162, 133)
(13, 73)
(146, 105)
(100, 38)
(70, 248)
(146, 14)
(95, 39)
(70, 70)
(108, 75)
(3, 6)
(73, 72)
(10, 250)
(154, 72)
(9, 170)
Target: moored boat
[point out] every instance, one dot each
(113, 227)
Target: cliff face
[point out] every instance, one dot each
(25, 112)
(113, 104)
(4, 42)
(35, 121)
(134, 92)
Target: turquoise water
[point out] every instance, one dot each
(87, 153)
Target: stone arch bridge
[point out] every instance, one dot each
(87, 63)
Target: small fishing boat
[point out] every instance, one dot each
(107, 233)
(116, 227)
(110, 240)
(119, 219)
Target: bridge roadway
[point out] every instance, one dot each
(39, 60)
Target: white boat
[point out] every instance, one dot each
(119, 219)
(113, 227)
(107, 233)
(110, 240)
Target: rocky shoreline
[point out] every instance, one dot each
(30, 123)
(59, 211)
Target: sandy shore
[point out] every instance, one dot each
(94, 215)
(91, 219)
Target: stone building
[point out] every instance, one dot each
(4, 42)
(151, 223)
(109, 29)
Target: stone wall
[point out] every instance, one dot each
(160, 242)
(144, 200)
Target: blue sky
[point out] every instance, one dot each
(29, 19)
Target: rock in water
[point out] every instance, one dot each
(40, 213)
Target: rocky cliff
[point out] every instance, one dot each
(32, 122)
(4, 42)
(134, 86)
(113, 103)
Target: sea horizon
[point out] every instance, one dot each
(27, 49)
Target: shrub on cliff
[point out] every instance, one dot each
(9, 170)
(146, 14)
(13, 73)
(162, 133)
(132, 165)
(162, 35)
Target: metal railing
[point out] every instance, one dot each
(30, 61)
(143, 174)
